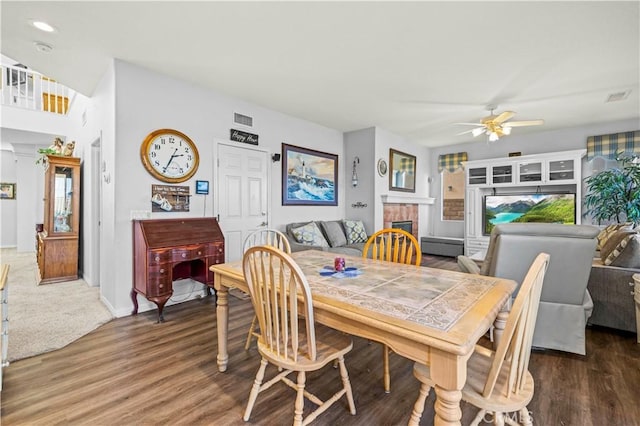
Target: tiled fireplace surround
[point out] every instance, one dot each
(396, 212)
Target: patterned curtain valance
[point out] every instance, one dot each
(610, 146)
(451, 162)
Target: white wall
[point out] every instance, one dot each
(551, 141)
(8, 208)
(361, 143)
(146, 101)
(386, 140)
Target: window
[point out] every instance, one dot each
(452, 194)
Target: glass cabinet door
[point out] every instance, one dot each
(530, 172)
(63, 213)
(561, 170)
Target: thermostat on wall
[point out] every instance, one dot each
(202, 187)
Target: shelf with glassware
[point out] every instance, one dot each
(57, 243)
(554, 172)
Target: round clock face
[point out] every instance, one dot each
(382, 167)
(169, 155)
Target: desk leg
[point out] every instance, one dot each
(222, 314)
(449, 372)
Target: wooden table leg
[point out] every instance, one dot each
(222, 316)
(449, 372)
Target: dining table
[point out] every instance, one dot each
(431, 316)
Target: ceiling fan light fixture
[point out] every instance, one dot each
(506, 130)
(477, 131)
(493, 136)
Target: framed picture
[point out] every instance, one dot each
(309, 177)
(402, 171)
(202, 187)
(7, 191)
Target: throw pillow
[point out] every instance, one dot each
(334, 233)
(354, 230)
(309, 234)
(626, 253)
(608, 232)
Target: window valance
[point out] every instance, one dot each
(451, 162)
(610, 146)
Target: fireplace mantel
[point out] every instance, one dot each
(406, 199)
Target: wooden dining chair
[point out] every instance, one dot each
(263, 237)
(398, 246)
(499, 382)
(289, 338)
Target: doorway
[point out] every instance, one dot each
(96, 211)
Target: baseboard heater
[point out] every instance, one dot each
(442, 246)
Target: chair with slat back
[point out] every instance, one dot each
(499, 382)
(263, 237)
(289, 338)
(398, 246)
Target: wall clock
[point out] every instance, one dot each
(382, 167)
(169, 155)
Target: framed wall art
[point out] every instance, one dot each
(309, 177)
(7, 191)
(402, 171)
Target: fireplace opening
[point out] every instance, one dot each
(405, 225)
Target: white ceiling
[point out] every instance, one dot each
(412, 68)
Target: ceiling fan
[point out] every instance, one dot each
(496, 126)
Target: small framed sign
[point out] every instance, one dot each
(244, 137)
(202, 187)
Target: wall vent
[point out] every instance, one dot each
(245, 120)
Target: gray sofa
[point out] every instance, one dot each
(334, 234)
(611, 288)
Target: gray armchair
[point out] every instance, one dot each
(565, 304)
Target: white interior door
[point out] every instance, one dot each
(242, 195)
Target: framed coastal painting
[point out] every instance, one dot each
(309, 177)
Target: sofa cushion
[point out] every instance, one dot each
(354, 230)
(309, 234)
(334, 232)
(623, 250)
(609, 231)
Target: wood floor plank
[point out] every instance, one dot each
(133, 371)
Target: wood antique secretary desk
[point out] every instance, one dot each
(165, 250)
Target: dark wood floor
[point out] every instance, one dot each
(132, 371)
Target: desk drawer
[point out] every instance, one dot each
(216, 249)
(159, 287)
(188, 253)
(155, 257)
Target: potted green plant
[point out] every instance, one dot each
(614, 194)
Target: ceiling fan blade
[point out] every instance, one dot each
(471, 124)
(503, 117)
(465, 132)
(524, 123)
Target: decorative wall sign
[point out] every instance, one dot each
(244, 137)
(309, 177)
(166, 198)
(515, 154)
(7, 191)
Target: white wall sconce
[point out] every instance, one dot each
(354, 175)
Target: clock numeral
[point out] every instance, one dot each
(153, 154)
(182, 170)
(156, 146)
(156, 163)
(172, 140)
(163, 141)
(189, 157)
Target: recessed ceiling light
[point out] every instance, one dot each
(43, 47)
(43, 26)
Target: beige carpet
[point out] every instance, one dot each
(43, 318)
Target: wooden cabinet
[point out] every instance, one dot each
(165, 250)
(57, 244)
(554, 172)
